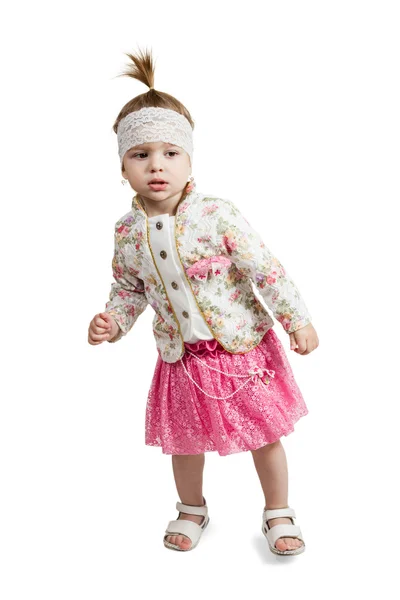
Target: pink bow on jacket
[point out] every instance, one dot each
(203, 266)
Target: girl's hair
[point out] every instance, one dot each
(143, 70)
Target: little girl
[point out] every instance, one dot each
(222, 380)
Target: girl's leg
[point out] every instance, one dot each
(271, 466)
(188, 473)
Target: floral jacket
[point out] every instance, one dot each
(221, 255)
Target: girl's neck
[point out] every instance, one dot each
(154, 209)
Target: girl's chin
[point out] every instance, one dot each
(155, 194)
(160, 194)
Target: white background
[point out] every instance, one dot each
(296, 110)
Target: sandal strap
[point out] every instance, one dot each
(184, 527)
(201, 511)
(276, 513)
(283, 530)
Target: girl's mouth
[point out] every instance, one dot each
(158, 186)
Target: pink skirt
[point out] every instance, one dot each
(193, 408)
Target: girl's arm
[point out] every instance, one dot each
(245, 247)
(127, 299)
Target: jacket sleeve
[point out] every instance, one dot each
(247, 251)
(127, 299)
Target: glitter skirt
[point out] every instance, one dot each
(213, 400)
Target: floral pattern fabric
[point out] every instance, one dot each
(221, 255)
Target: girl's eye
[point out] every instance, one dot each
(145, 153)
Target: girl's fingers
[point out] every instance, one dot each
(101, 325)
(106, 318)
(293, 343)
(98, 338)
(100, 328)
(99, 331)
(101, 322)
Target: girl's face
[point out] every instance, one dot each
(157, 160)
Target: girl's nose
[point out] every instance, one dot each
(155, 163)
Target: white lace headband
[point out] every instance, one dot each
(151, 124)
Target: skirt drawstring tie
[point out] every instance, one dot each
(255, 375)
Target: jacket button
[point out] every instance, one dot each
(185, 314)
(174, 285)
(163, 254)
(159, 225)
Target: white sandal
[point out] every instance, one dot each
(281, 530)
(185, 527)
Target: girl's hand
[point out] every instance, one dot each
(102, 328)
(304, 340)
